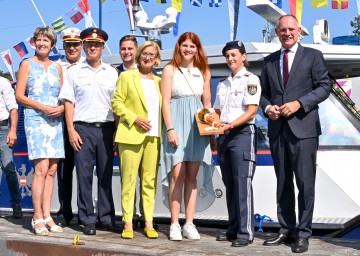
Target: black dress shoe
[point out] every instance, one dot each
(89, 230)
(301, 245)
(278, 240)
(225, 237)
(104, 226)
(17, 211)
(240, 242)
(61, 221)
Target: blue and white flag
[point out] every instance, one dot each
(197, 3)
(215, 3)
(278, 3)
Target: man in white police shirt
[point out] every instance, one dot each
(87, 91)
(72, 45)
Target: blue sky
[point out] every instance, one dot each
(18, 20)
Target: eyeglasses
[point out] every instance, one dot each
(94, 44)
(148, 54)
(72, 44)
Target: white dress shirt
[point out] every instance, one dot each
(7, 99)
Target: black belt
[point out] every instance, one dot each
(4, 122)
(97, 125)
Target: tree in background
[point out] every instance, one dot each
(356, 25)
(6, 75)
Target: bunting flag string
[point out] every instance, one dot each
(197, 3)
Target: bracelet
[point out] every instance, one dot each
(170, 129)
(231, 125)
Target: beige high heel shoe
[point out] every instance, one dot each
(39, 231)
(53, 228)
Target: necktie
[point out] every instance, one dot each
(285, 67)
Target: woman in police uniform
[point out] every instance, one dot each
(237, 100)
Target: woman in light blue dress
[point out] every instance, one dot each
(42, 80)
(185, 88)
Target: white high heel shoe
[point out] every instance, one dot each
(54, 228)
(39, 231)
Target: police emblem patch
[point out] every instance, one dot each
(252, 89)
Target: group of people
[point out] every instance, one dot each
(150, 120)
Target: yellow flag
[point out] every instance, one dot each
(177, 4)
(319, 3)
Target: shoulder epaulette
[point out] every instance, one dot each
(71, 65)
(248, 73)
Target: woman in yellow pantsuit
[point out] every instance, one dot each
(137, 101)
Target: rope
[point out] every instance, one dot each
(260, 219)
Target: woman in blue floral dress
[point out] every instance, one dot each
(42, 80)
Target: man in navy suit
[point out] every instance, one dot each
(294, 81)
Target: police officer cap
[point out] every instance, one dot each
(94, 34)
(70, 34)
(234, 45)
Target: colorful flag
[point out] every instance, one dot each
(144, 0)
(177, 4)
(339, 4)
(234, 7)
(74, 14)
(21, 49)
(278, 3)
(102, 1)
(215, 3)
(58, 25)
(6, 56)
(358, 7)
(296, 9)
(319, 3)
(197, 3)
(31, 42)
(161, 1)
(85, 8)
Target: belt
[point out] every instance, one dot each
(97, 125)
(4, 122)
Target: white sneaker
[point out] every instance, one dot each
(175, 232)
(190, 231)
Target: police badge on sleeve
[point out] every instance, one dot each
(252, 89)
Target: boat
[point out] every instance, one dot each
(337, 201)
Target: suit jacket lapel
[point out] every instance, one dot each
(277, 66)
(296, 63)
(139, 88)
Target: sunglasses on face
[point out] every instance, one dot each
(148, 54)
(72, 44)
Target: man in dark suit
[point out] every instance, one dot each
(294, 81)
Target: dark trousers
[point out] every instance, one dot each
(97, 145)
(237, 159)
(293, 156)
(65, 178)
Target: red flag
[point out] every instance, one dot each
(84, 5)
(339, 4)
(75, 15)
(8, 59)
(85, 8)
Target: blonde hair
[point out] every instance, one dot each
(145, 45)
(47, 32)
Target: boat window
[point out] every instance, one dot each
(339, 128)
